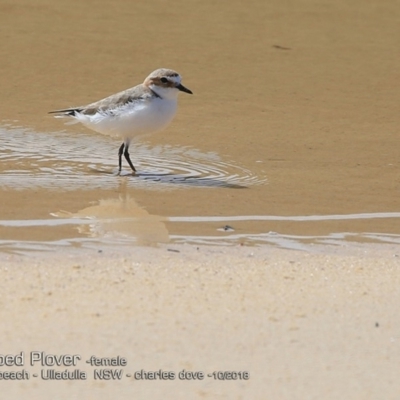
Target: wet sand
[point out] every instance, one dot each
(319, 119)
(293, 121)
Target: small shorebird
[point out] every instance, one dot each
(143, 109)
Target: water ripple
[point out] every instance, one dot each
(78, 161)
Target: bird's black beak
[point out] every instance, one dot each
(183, 89)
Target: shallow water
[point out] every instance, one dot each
(290, 138)
(57, 160)
(100, 233)
(58, 163)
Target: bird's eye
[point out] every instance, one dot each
(164, 80)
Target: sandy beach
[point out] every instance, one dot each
(302, 325)
(187, 281)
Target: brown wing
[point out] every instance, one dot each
(138, 93)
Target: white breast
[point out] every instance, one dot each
(133, 119)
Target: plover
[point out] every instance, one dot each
(143, 109)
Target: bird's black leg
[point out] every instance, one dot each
(120, 152)
(126, 154)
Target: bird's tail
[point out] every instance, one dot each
(67, 112)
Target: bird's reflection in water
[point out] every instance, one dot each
(121, 216)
